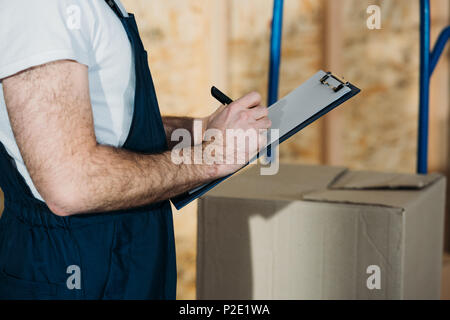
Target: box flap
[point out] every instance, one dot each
(325, 184)
(289, 183)
(364, 180)
(374, 188)
(382, 198)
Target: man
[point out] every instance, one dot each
(86, 169)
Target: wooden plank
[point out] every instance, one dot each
(439, 135)
(440, 103)
(439, 93)
(445, 288)
(219, 36)
(332, 52)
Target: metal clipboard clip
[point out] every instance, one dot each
(326, 81)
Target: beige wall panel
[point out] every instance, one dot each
(439, 92)
(382, 122)
(175, 33)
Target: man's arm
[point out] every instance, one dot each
(50, 112)
(173, 123)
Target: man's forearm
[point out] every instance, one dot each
(173, 123)
(130, 179)
(111, 179)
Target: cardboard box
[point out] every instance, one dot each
(314, 232)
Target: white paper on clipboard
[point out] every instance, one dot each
(303, 103)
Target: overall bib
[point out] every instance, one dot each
(127, 254)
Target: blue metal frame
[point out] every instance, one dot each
(428, 62)
(275, 51)
(275, 60)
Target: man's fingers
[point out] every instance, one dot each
(259, 112)
(250, 100)
(263, 123)
(220, 109)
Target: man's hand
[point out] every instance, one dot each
(242, 125)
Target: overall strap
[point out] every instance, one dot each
(115, 8)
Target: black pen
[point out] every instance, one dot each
(220, 96)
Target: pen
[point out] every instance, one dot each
(220, 96)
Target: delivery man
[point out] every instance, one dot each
(85, 165)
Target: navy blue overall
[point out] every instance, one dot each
(128, 254)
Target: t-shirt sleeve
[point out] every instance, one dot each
(33, 33)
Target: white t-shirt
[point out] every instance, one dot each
(35, 32)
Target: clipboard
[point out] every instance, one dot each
(310, 101)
